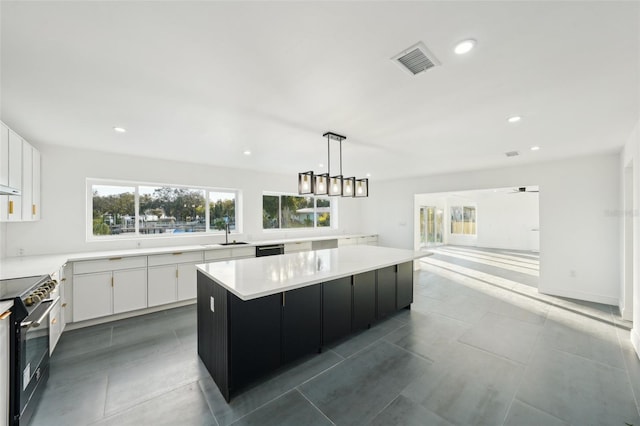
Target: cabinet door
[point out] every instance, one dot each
(92, 296)
(336, 309)
(404, 282)
(255, 338)
(364, 300)
(27, 181)
(55, 327)
(35, 195)
(386, 291)
(129, 290)
(162, 285)
(301, 322)
(15, 175)
(187, 279)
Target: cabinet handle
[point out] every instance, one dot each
(5, 315)
(176, 273)
(111, 281)
(115, 258)
(284, 299)
(64, 305)
(53, 321)
(176, 253)
(10, 207)
(33, 209)
(63, 279)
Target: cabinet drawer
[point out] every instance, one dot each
(176, 257)
(238, 252)
(298, 246)
(349, 241)
(217, 254)
(109, 264)
(55, 327)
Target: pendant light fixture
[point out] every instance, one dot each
(325, 184)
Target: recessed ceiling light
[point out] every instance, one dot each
(464, 46)
(119, 129)
(514, 119)
(246, 152)
(321, 165)
(535, 148)
(368, 174)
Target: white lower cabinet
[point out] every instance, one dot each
(55, 326)
(129, 290)
(106, 293)
(187, 281)
(92, 295)
(162, 285)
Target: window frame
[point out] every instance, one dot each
(333, 212)
(462, 208)
(209, 231)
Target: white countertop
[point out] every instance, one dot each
(5, 306)
(25, 266)
(262, 276)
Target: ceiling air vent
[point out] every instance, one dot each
(512, 153)
(416, 59)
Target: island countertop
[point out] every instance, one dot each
(262, 276)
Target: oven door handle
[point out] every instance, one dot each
(37, 322)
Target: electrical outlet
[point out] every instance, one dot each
(213, 307)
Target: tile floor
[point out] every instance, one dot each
(479, 346)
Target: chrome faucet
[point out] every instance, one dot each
(227, 231)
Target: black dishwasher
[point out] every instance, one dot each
(270, 250)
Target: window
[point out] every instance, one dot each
(295, 212)
(463, 220)
(161, 209)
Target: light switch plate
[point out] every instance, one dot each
(213, 306)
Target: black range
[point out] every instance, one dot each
(29, 342)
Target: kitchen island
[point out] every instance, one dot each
(257, 315)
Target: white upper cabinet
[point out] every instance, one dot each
(19, 168)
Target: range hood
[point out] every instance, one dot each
(7, 190)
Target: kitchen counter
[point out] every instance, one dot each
(24, 266)
(5, 306)
(252, 278)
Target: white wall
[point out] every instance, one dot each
(631, 156)
(3, 240)
(577, 230)
(62, 228)
(505, 220)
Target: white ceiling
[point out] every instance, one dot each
(203, 81)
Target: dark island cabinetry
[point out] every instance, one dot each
(336, 309)
(364, 300)
(240, 341)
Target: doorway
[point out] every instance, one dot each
(431, 226)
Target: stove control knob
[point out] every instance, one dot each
(28, 301)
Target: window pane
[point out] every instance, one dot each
(456, 220)
(222, 209)
(113, 209)
(323, 212)
(270, 209)
(297, 212)
(168, 210)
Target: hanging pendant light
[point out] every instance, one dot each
(325, 184)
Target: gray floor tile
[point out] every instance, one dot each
(404, 412)
(291, 409)
(470, 387)
(80, 342)
(580, 335)
(354, 391)
(364, 338)
(522, 309)
(183, 406)
(142, 381)
(79, 404)
(428, 335)
(503, 336)
(267, 390)
(578, 390)
(521, 414)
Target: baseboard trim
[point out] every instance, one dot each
(635, 340)
(588, 297)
